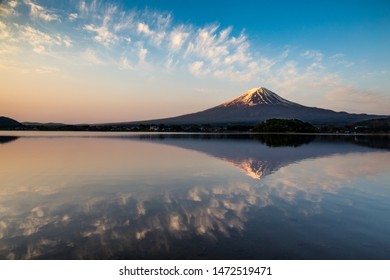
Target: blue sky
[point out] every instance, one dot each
(105, 61)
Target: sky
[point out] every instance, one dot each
(112, 61)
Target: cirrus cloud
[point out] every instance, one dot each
(37, 11)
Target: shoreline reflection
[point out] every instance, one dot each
(183, 197)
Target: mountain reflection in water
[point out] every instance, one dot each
(194, 196)
(7, 139)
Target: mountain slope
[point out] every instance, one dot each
(9, 123)
(260, 104)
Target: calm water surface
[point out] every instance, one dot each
(180, 196)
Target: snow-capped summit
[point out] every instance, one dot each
(258, 96)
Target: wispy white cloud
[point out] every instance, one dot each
(124, 21)
(313, 54)
(41, 40)
(124, 64)
(37, 11)
(40, 49)
(144, 28)
(241, 55)
(196, 68)
(73, 16)
(339, 59)
(155, 36)
(224, 55)
(103, 34)
(8, 8)
(291, 77)
(4, 32)
(13, 3)
(88, 8)
(67, 41)
(170, 64)
(316, 58)
(90, 56)
(177, 37)
(209, 45)
(142, 54)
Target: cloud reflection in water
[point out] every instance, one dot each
(137, 198)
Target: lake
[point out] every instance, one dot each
(81, 195)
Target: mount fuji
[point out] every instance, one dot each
(260, 104)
